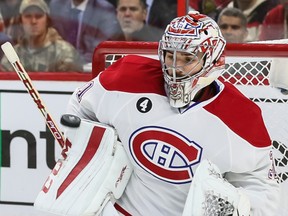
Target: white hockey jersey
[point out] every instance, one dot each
(166, 145)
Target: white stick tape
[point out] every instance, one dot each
(9, 52)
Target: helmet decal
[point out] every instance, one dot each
(185, 26)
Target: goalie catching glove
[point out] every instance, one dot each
(212, 195)
(95, 171)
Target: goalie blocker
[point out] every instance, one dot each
(95, 171)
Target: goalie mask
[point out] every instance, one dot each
(199, 37)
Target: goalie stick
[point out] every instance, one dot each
(13, 58)
(99, 184)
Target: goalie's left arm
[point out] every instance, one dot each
(260, 185)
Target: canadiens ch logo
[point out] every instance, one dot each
(165, 153)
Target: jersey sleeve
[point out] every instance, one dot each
(260, 184)
(85, 100)
(250, 150)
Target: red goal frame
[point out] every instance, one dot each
(151, 48)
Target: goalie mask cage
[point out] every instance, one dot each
(259, 70)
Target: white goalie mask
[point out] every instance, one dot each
(193, 34)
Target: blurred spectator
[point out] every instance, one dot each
(10, 13)
(40, 47)
(211, 8)
(233, 25)
(3, 36)
(84, 23)
(255, 11)
(9, 10)
(159, 12)
(131, 15)
(275, 24)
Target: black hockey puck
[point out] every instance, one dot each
(70, 120)
(284, 91)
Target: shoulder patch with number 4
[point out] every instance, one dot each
(144, 105)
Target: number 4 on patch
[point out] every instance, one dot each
(144, 105)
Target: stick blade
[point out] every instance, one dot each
(10, 52)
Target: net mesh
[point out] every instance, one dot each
(247, 73)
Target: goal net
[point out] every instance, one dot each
(260, 71)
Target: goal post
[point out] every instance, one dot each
(258, 70)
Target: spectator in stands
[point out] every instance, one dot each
(40, 47)
(159, 12)
(233, 25)
(275, 23)
(84, 23)
(255, 11)
(212, 8)
(10, 13)
(131, 15)
(9, 10)
(209, 7)
(3, 36)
